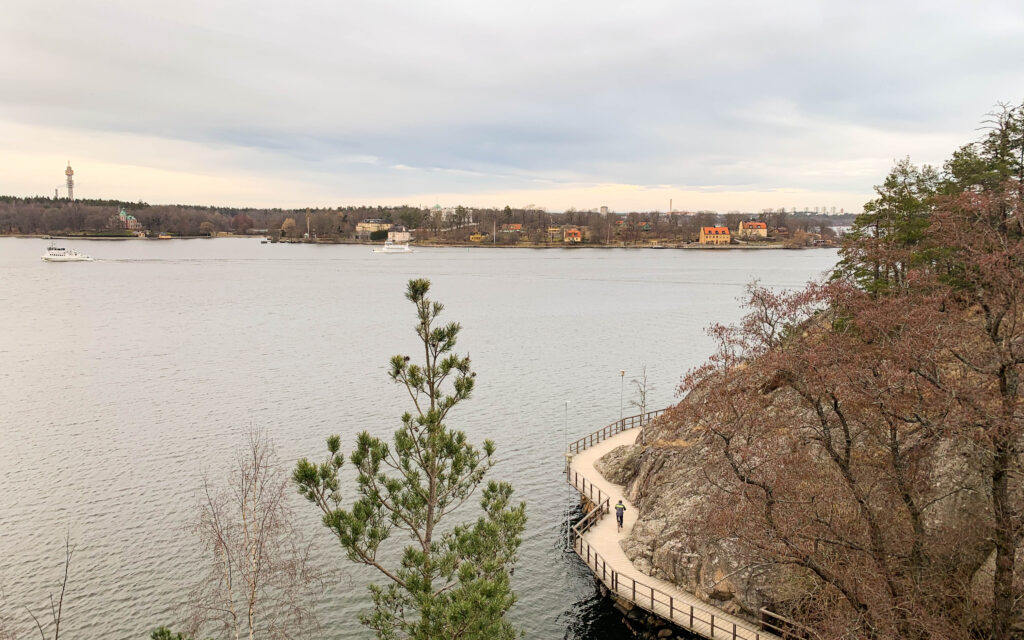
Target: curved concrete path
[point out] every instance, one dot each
(604, 538)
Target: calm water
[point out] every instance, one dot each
(123, 379)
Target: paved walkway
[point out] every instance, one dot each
(672, 603)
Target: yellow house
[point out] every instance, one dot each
(478, 237)
(373, 225)
(752, 229)
(366, 227)
(714, 235)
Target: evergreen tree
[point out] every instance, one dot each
(996, 161)
(452, 581)
(876, 253)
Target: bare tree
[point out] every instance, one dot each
(641, 386)
(260, 581)
(56, 606)
(825, 454)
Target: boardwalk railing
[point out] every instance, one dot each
(614, 428)
(589, 489)
(688, 616)
(701, 620)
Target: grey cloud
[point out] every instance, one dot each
(481, 95)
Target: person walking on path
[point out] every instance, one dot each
(620, 510)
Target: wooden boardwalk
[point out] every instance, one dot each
(596, 540)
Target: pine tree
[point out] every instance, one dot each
(452, 581)
(891, 229)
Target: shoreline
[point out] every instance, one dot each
(439, 245)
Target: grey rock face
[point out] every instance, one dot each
(666, 482)
(620, 465)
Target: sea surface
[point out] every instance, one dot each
(124, 380)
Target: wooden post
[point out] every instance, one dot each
(691, 616)
(734, 631)
(670, 614)
(712, 625)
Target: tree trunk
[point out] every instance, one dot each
(1005, 540)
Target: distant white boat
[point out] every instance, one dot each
(60, 254)
(391, 247)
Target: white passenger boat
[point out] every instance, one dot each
(60, 254)
(391, 247)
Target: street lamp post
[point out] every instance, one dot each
(622, 388)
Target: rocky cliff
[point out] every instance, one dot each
(671, 483)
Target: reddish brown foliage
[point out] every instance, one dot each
(869, 446)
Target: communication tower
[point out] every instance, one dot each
(70, 173)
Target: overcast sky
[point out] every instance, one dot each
(559, 103)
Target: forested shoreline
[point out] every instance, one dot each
(49, 216)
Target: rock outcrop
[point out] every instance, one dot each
(620, 465)
(667, 481)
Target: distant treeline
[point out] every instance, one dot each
(41, 215)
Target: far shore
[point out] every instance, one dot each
(441, 245)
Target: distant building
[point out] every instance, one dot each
(752, 229)
(478, 237)
(604, 211)
(398, 233)
(70, 174)
(513, 227)
(449, 213)
(371, 225)
(572, 236)
(127, 221)
(641, 225)
(714, 235)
